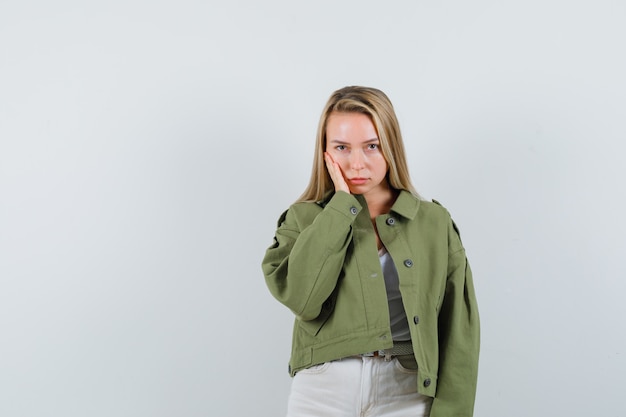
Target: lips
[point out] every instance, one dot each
(357, 181)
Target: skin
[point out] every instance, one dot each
(355, 162)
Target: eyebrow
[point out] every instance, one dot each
(340, 142)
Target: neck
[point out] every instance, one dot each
(380, 201)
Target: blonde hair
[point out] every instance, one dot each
(375, 104)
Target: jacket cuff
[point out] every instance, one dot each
(346, 204)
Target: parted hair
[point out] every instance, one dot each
(375, 104)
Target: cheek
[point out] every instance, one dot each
(381, 164)
(338, 156)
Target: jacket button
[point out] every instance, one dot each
(416, 319)
(391, 221)
(408, 263)
(427, 382)
(353, 210)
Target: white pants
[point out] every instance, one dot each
(357, 387)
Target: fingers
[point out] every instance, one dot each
(330, 165)
(335, 174)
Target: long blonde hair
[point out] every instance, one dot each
(375, 104)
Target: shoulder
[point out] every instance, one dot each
(306, 207)
(299, 213)
(448, 218)
(434, 211)
(434, 205)
(433, 215)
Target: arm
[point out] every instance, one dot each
(303, 265)
(459, 337)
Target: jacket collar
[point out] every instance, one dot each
(406, 205)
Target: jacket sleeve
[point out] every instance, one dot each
(459, 337)
(303, 264)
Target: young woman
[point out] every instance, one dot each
(386, 316)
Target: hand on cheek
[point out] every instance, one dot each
(335, 174)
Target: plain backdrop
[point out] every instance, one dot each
(147, 149)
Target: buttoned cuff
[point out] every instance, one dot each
(346, 204)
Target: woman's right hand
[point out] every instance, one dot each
(335, 174)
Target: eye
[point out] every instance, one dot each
(340, 147)
(373, 146)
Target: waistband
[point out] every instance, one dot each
(398, 349)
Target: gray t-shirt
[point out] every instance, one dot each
(397, 315)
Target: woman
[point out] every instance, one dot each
(386, 316)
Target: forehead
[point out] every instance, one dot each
(354, 126)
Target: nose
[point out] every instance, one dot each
(357, 160)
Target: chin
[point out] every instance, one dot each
(358, 190)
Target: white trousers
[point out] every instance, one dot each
(357, 387)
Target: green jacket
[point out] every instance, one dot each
(324, 266)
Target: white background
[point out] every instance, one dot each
(147, 149)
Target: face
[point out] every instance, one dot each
(353, 143)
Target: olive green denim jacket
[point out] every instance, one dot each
(324, 266)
